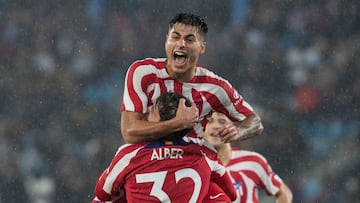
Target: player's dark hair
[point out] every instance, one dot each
(190, 19)
(167, 105)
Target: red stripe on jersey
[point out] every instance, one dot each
(151, 79)
(153, 62)
(250, 158)
(125, 149)
(253, 176)
(247, 163)
(196, 95)
(250, 171)
(254, 198)
(145, 81)
(148, 79)
(215, 103)
(234, 96)
(178, 87)
(130, 87)
(243, 189)
(275, 181)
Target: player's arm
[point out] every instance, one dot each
(251, 126)
(136, 129)
(284, 195)
(221, 176)
(111, 188)
(226, 184)
(101, 194)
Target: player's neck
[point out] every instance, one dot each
(224, 153)
(181, 76)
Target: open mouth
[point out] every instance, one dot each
(179, 58)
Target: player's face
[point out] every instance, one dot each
(183, 47)
(217, 121)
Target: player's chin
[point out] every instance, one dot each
(215, 140)
(179, 69)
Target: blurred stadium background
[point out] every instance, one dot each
(62, 70)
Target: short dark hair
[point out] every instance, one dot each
(167, 105)
(190, 19)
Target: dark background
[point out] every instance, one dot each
(62, 69)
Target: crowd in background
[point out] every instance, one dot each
(63, 65)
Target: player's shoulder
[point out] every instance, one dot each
(241, 159)
(126, 149)
(204, 74)
(153, 62)
(202, 70)
(201, 142)
(237, 152)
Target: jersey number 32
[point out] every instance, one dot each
(158, 179)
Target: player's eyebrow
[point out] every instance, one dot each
(189, 35)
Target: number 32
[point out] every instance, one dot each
(158, 179)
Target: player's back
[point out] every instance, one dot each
(251, 171)
(162, 171)
(169, 172)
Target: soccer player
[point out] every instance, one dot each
(180, 72)
(176, 168)
(249, 170)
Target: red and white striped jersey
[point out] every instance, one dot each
(147, 79)
(250, 171)
(163, 171)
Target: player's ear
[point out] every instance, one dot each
(202, 47)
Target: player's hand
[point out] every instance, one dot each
(187, 116)
(231, 132)
(228, 133)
